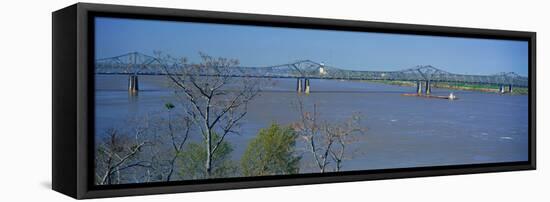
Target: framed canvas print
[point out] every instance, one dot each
(154, 100)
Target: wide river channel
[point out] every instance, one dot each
(401, 131)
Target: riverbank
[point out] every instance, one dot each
(455, 86)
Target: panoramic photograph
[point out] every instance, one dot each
(184, 101)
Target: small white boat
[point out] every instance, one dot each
(452, 96)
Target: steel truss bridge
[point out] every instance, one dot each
(136, 63)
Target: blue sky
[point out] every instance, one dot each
(263, 46)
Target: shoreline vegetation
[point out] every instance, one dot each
(455, 86)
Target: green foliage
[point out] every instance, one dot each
(193, 159)
(271, 153)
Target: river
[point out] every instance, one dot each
(401, 131)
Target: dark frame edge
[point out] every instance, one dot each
(307, 22)
(64, 103)
(298, 181)
(533, 99)
(84, 86)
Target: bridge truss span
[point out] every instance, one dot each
(136, 63)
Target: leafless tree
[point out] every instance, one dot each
(177, 141)
(166, 133)
(214, 100)
(341, 135)
(118, 153)
(326, 141)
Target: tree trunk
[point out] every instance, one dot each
(208, 140)
(208, 152)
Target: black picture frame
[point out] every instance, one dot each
(73, 88)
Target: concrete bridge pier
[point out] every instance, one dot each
(302, 87)
(501, 89)
(133, 85)
(510, 88)
(306, 88)
(428, 87)
(299, 85)
(419, 87)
